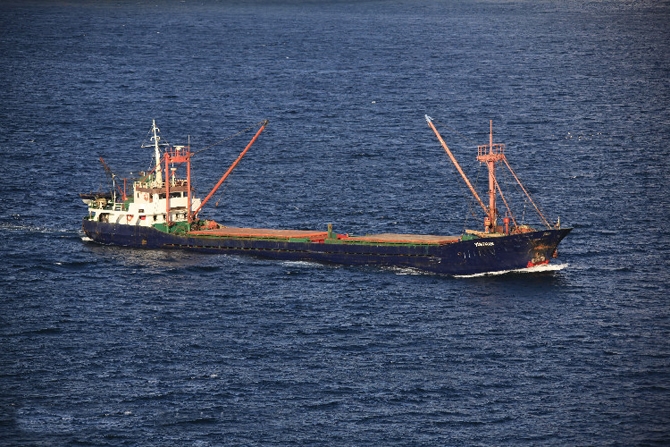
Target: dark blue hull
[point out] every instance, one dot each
(460, 258)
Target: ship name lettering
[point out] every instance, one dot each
(484, 244)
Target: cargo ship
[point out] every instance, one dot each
(162, 212)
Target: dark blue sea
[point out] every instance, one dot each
(108, 346)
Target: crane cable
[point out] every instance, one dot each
(230, 137)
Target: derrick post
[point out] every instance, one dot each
(493, 215)
(188, 184)
(167, 190)
(491, 154)
(492, 181)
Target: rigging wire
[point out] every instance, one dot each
(150, 144)
(519, 197)
(164, 142)
(456, 132)
(471, 202)
(518, 184)
(222, 193)
(544, 220)
(502, 196)
(469, 199)
(229, 138)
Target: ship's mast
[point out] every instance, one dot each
(491, 154)
(156, 138)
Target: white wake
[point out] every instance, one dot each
(537, 269)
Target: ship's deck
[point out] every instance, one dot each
(394, 238)
(320, 236)
(262, 233)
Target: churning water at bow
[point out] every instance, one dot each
(109, 346)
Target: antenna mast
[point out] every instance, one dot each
(156, 138)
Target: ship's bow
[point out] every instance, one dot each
(543, 245)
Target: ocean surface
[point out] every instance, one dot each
(106, 346)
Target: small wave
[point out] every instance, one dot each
(537, 269)
(302, 264)
(197, 268)
(187, 419)
(86, 239)
(39, 420)
(47, 331)
(407, 271)
(34, 228)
